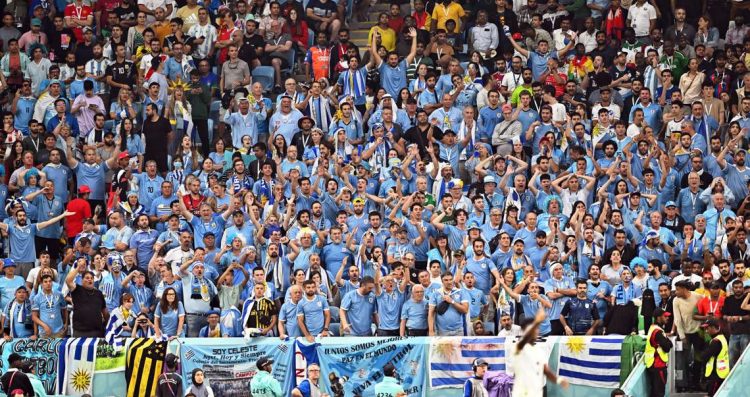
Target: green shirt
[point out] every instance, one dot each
(389, 387)
(264, 385)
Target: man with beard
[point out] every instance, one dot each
(538, 58)
(313, 314)
(302, 137)
(725, 275)
(428, 99)
(737, 316)
(318, 59)
(602, 49)
(142, 241)
(358, 309)
(96, 68)
(90, 313)
(513, 78)
(253, 44)
(351, 125)
(335, 250)
(582, 315)
(197, 293)
(737, 175)
(120, 74)
(23, 236)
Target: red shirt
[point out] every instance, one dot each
(225, 33)
(81, 14)
(74, 223)
(706, 305)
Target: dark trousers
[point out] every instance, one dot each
(387, 332)
(51, 245)
(416, 332)
(557, 328)
(658, 380)
(202, 127)
(713, 385)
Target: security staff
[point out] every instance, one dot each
(389, 386)
(716, 356)
(656, 355)
(263, 384)
(474, 387)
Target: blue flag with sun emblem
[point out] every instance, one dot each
(354, 366)
(591, 362)
(77, 362)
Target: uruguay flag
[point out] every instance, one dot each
(591, 362)
(451, 359)
(76, 365)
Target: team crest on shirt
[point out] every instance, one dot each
(483, 265)
(586, 305)
(370, 299)
(320, 304)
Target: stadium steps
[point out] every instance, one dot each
(358, 31)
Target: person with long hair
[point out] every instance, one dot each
(298, 30)
(136, 37)
(691, 82)
(120, 323)
(132, 140)
(221, 157)
(402, 98)
(190, 157)
(169, 316)
(122, 108)
(178, 112)
(14, 160)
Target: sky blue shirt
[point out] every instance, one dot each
(557, 304)
(24, 113)
(148, 188)
(312, 312)
(451, 320)
(415, 314)
(393, 79)
(477, 299)
(288, 314)
(538, 62)
(46, 210)
(359, 310)
(143, 243)
(170, 319)
(215, 225)
(60, 177)
(286, 125)
(92, 175)
(482, 271)
(244, 125)
(22, 241)
(8, 288)
(389, 309)
(50, 310)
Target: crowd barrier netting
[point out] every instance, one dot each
(426, 366)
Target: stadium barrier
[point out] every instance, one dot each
(426, 366)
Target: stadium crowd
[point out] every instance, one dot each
(165, 174)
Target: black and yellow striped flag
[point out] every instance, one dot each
(143, 365)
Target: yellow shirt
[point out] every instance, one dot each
(387, 37)
(453, 11)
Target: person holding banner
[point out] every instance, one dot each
(259, 313)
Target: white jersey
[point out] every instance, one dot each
(528, 368)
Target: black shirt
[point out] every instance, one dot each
(169, 385)
(20, 381)
(88, 305)
(250, 45)
(732, 308)
(57, 49)
(123, 73)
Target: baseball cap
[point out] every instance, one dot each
(36, 22)
(87, 29)
(84, 189)
(123, 155)
(7, 262)
(489, 179)
(670, 204)
(658, 312)
(263, 361)
(473, 225)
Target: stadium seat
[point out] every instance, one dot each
(264, 75)
(289, 70)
